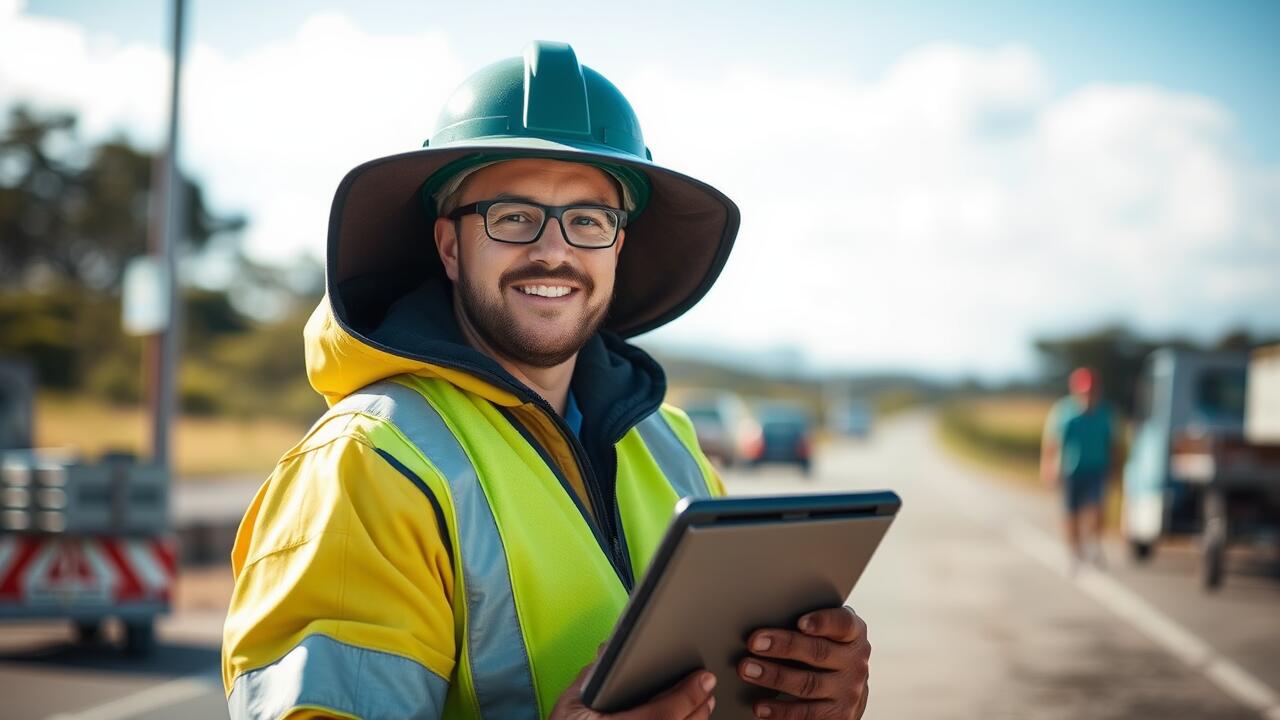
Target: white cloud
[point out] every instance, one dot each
(933, 218)
(58, 64)
(966, 209)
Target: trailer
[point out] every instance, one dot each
(1191, 469)
(80, 541)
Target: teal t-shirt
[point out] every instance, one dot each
(1084, 437)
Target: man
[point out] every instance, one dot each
(458, 534)
(1075, 454)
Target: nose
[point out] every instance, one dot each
(551, 247)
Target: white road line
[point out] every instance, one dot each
(1168, 634)
(175, 691)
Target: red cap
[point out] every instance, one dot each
(1080, 381)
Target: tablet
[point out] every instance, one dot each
(725, 568)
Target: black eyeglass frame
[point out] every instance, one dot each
(481, 208)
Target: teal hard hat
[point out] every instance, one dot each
(544, 104)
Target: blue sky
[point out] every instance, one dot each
(1000, 170)
(1227, 50)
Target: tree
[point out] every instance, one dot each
(1117, 354)
(80, 213)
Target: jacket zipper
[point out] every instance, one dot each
(608, 517)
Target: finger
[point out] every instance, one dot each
(816, 651)
(839, 624)
(681, 701)
(815, 710)
(807, 684)
(703, 712)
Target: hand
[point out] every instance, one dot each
(1049, 476)
(833, 644)
(689, 699)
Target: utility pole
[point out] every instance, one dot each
(165, 228)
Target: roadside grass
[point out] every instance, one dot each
(1001, 435)
(203, 446)
(999, 432)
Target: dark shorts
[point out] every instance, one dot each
(1083, 490)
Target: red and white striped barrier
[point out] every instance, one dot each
(48, 572)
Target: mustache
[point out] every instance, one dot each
(534, 272)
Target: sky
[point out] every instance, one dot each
(924, 186)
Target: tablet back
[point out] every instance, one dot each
(721, 581)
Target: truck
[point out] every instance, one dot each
(1195, 467)
(80, 541)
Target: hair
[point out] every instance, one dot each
(448, 197)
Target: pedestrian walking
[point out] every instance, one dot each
(1076, 457)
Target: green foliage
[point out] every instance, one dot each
(40, 329)
(894, 400)
(71, 217)
(258, 371)
(958, 419)
(1117, 354)
(80, 213)
(229, 364)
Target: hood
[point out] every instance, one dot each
(359, 335)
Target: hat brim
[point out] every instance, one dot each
(675, 249)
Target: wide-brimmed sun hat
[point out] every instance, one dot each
(541, 105)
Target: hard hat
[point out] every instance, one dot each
(1081, 381)
(542, 105)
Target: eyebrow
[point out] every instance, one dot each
(594, 200)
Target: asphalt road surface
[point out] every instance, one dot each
(971, 611)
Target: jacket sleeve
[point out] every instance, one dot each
(343, 589)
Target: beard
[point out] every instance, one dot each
(496, 323)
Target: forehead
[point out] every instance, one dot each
(548, 181)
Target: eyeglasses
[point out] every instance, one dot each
(521, 222)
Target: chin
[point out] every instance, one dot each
(546, 339)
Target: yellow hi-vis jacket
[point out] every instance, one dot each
(440, 544)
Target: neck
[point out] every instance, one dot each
(551, 383)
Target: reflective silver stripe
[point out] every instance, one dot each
(674, 458)
(324, 673)
(495, 643)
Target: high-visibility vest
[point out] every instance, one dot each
(535, 591)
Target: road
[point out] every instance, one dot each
(971, 614)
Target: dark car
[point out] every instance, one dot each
(726, 431)
(788, 436)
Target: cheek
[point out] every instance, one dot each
(603, 272)
(486, 262)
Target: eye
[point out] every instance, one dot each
(517, 217)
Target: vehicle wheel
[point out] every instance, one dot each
(1140, 552)
(139, 637)
(88, 631)
(1214, 542)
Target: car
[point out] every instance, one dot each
(726, 431)
(788, 435)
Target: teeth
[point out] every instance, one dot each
(552, 291)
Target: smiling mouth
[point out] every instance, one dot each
(546, 291)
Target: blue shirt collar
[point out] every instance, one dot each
(572, 415)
